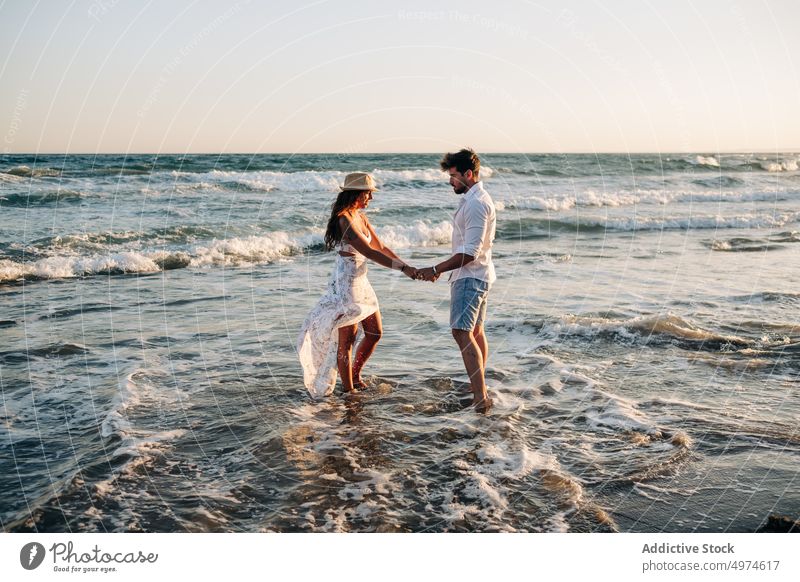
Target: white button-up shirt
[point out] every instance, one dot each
(474, 226)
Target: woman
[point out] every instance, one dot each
(329, 331)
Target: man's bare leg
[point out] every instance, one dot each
(373, 330)
(347, 337)
(483, 345)
(473, 362)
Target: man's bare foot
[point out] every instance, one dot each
(483, 405)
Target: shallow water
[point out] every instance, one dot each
(645, 348)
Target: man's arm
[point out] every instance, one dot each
(477, 217)
(455, 262)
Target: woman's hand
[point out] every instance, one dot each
(409, 271)
(428, 274)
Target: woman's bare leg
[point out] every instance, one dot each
(373, 330)
(347, 337)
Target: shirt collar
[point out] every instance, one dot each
(473, 192)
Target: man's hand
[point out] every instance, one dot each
(427, 274)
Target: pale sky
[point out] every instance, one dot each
(292, 76)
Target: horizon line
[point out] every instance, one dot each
(339, 153)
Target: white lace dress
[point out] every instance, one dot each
(348, 300)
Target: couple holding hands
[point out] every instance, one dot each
(329, 331)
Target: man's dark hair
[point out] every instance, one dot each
(462, 161)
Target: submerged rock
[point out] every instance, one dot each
(777, 523)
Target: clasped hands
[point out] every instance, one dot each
(426, 274)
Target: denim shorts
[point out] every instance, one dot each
(468, 298)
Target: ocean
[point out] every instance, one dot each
(644, 347)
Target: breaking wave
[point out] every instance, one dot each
(234, 252)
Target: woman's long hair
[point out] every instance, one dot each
(344, 201)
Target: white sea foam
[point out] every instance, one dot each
(619, 198)
(303, 181)
(710, 161)
(227, 252)
(136, 390)
(11, 178)
(609, 410)
(499, 460)
(557, 523)
(64, 267)
(425, 175)
(481, 491)
(370, 482)
(128, 395)
(251, 250)
(28, 172)
(311, 180)
(779, 165)
(665, 324)
(148, 443)
(481, 487)
(430, 175)
(418, 234)
(698, 222)
(587, 198)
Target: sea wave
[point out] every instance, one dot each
(746, 244)
(718, 182)
(314, 180)
(136, 390)
(526, 228)
(66, 267)
(617, 198)
(41, 198)
(708, 161)
(769, 297)
(6, 178)
(695, 222)
(28, 172)
(231, 252)
(420, 233)
(779, 166)
(253, 249)
(110, 241)
(711, 163)
(644, 328)
(588, 198)
(698, 222)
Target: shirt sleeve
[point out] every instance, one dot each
(477, 217)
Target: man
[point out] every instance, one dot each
(472, 270)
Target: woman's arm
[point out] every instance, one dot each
(377, 244)
(354, 238)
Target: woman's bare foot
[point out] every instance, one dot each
(358, 383)
(483, 405)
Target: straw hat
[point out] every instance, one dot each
(358, 181)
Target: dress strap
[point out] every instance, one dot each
(348, 248)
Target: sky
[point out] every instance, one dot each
(128, 76)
